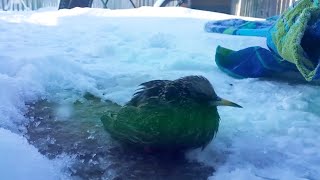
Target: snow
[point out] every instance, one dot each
(60, 55)
(20, 160)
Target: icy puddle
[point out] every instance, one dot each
(76, 130)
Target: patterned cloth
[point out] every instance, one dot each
(241, 27)
(293, 40)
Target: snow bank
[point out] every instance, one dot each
(20, 160)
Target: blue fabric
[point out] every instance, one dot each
(240, 27)
(256, 62)
(252, 62)
(311, 42)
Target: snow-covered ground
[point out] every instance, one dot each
(20, 160)
(60, 55)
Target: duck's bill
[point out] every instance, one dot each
(224, 102)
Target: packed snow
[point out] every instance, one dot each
(61, 55)
(20, 160)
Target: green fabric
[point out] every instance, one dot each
(287, 34)
(223, 61)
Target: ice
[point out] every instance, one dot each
(275, 136)
(61, 55)
(20, 160)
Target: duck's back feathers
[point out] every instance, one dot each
(147, 91)
(183, 90)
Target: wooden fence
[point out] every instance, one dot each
(31, 4)
(260, 8)
(122, 4)
(125, 4)
(112, 4)
(253, 8)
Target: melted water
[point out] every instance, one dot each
(76, 130)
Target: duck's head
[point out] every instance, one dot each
(201, 90)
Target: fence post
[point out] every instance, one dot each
(2, 4)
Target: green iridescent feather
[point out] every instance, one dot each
(164, 127)
(168, 115)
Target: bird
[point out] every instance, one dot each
(168, 115)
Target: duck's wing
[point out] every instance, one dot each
(129, 126)
(149, 91)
